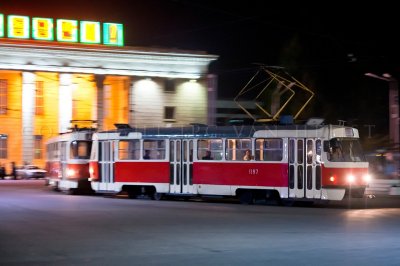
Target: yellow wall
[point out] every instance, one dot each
(115, 101)
(84, 100)
(46, 124)
(10, 123)
(149, 99)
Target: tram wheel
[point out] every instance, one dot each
(72, 191)
(132, 194)
(246, 197)
(287, 202)
(157, 196)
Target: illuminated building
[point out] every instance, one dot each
(48, 87)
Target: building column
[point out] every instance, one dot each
(131, 109)
(28, 116)
(100, 101)
(212, 99)
(64, 102)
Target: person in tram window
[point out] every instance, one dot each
(146, 155)
(207, 156)
(247, 156)
(336, 155)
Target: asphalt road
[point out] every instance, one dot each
(41, 227)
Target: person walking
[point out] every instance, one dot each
(2, 172)
(13, 170)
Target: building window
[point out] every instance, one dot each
(3, 96)
(39, 100)
(38, 147)
(169, 113)
(3, 146)
(169, 85)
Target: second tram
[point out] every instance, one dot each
(67, 161)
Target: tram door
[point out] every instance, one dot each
(181, 166)
(63, 159)
(106, 164)
(304, 168)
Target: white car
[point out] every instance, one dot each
(30, 171)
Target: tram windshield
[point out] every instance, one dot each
(345, 150)
(80, 149)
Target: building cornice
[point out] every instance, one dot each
(99, 59)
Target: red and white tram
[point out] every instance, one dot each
(67, 161)
(293, 162)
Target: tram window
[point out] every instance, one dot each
(236, 149)
(318, 151)
(269, 149)
(300, 177)
(309, 177)
(291, 151)
(93, 153)
(291, 176)
(61, 153)
(129, 150)
(156, 148)
(80, 149)
(300, 151)
(212, 145)
(178, 151)
(171, 151)
(309, 151)
(318, 177)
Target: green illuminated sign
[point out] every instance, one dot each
(90, 32)
(64, 30)
(113, 34)
(42, 29)
(18, 27)
(1, 25)
(67, 30)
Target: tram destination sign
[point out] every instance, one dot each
(61, 30)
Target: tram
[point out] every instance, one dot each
(67, 161)
(286, 162)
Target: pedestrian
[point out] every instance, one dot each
(13, 170)
(2, 172)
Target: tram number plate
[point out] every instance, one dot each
(253, 171)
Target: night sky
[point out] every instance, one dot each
(326, 45)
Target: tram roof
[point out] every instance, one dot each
(233, 131)
(85, 134)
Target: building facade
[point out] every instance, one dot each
(46, 88)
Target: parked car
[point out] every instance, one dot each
(30, 171)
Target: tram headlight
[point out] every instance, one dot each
(91, 171)
(350, 178)
(70, 172)
(332, 179)
(367, 178)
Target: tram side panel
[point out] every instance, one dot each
(142, 172)
(226, 178)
